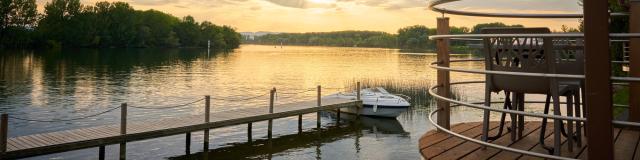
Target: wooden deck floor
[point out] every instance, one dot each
(440, 145)
(67, 140)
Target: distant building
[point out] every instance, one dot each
(252, 35)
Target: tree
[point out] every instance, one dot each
(17, 18)
(414, 37)
(188, 31)
(478, 27)
(58, 15)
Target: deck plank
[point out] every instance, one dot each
(449, 148)
(504, 140)
(467, 147)
(449, 143)
(623, 149)
(439, 136)
(526, 143)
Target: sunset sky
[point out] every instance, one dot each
(333, 15)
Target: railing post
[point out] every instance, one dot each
(123, 130)
(443, 76)
(597, 79)
(249, 136)
(4, 132)
(299, 123)
(634, 61)
(319, 105)
(101, 154)
(270, 126)
(187, 144)
(207, 112)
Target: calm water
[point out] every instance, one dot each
(75, 83)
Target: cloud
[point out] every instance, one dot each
(290, 3)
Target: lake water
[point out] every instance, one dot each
(57, 85)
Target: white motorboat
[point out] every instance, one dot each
(376, 102)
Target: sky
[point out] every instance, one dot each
(337, 15)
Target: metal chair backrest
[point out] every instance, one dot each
(569, 53)
(511, 54)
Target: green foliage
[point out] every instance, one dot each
(67, 23)
(478, 27)
(411, 38)
(415, 37)
(338, 38)
(17, 19)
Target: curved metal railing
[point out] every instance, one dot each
(434, 6)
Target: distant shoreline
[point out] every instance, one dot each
(454, 49)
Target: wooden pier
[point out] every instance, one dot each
(100, 136)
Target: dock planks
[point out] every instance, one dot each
(67, 140)
(440, 145)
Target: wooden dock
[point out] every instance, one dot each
(100, 136)
(440, 145)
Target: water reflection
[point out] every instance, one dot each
(72, 83)
(352, 127)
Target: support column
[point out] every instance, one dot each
(634, 58)
(123, 130)
(270, 127)
(101, 154)
(597, 79)
(207, 112)
(187, 144)
(249, 130)
(443, 76)
(318, 125)
(299, 124)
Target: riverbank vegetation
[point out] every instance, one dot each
(410, 38)
(69, 24)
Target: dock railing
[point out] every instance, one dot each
(598, 78)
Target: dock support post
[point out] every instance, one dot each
(338, 117)
(359, 107)
(123, 130)
(4, 132)
(101, 153)
(207, 111)
(299, 124)
(270, 127)
(249, 136)
(597, 69)
(319, 105)
(443, 75)
(187, 144)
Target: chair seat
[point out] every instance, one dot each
(565, 86)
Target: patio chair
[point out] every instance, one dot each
(521, 55)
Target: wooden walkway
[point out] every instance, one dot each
(439, 145)
(67, 140)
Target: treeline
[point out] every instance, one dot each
(67, 23)
(409, 38)
(338, 38)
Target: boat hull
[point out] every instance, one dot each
(380, 111)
